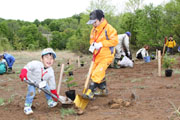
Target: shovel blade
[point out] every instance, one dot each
(65, 100)
(81, 102)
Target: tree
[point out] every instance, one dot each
(134, 5)
(104, 5)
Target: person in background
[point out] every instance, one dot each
(10, 61)
(143, 52)
(103, 39)
(3, 65)
(39, 72)
(122, 49)
(170, 44)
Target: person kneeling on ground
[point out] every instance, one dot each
(10, 61)
(103, 39)
(3, 66)
(143, 52)
(122, 49)
(38, 72)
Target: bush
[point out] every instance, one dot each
(168, 62)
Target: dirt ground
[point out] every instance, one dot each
(134, 93)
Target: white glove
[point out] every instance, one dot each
(91, 48)
(98, 45)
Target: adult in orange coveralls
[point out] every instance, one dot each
(103, 39)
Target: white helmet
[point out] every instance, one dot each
(48, 51)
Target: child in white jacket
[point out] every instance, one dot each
(37, 72)
(143, 52)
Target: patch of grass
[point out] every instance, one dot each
(175, 115)
(66, 112)
(1, 101)
(176, 71)
(137, 80)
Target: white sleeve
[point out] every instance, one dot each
(31, 66)
(51, 81)
(143, 52)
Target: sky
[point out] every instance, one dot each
(29, 10)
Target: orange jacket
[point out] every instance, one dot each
(170, 43)
(108, 38)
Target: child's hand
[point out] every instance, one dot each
(23, 74)
(55, 93)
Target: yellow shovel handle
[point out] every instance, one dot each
(88, 77)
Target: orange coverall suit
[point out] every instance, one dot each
(109, 39)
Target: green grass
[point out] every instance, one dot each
(1, 101)
(66, 112)
(176, 71)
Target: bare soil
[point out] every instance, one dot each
(134, 93)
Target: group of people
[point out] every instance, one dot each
(105, 44)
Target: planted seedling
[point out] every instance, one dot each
(69, 70)
(69, 82)
(82, 63)
(168, 63)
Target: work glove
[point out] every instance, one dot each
(91, 48)
(55, 93)
(23, 74)
(98, 45)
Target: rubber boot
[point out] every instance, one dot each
(102, 91)
(90, 92)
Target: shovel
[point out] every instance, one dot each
(66, 100)
(79, 101)
(60, 99)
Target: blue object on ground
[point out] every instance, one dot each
(147, 59)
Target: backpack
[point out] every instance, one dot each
(2, 68)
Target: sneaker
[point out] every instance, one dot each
(88, 95)
(101, 92)
(28, 110)
(51, 103)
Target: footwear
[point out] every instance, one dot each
(88, 95)
(27, 109)
(51, 103)
(101, 92)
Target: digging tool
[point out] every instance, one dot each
(59, 86)
(60, 99)
(164, 47)
(79, 101)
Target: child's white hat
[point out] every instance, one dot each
(48, 51)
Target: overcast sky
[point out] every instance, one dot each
(29, 10)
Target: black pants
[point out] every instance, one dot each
(139, 56)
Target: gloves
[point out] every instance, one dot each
(55, 93)
(98, 45)
(23, 74)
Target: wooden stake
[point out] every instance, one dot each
(60, 79)
(159, 63)
(78, 61)
(156, 53)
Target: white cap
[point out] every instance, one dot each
(48, 51)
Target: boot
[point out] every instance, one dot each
(88, 95)
(90, 92)
(102, 91)
(9, 71)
